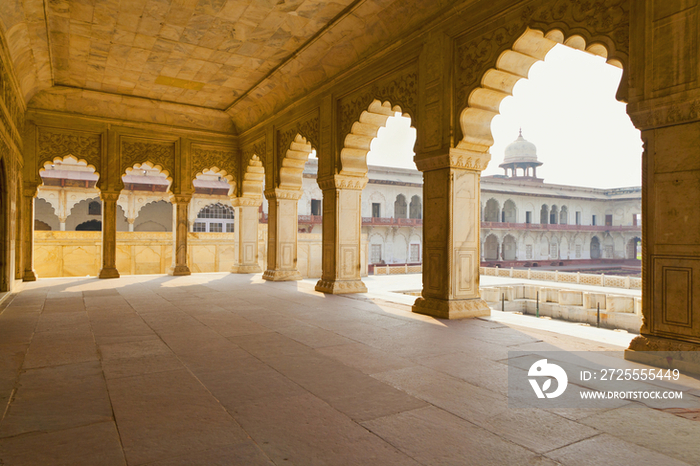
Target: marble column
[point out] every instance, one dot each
(181, 203)
(28, 195)
(282, 228)
(109, 235)
(342, 235)
(246, 234)
(451, 235)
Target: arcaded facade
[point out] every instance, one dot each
(248, 92)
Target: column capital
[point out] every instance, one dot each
(109, 195)
(343, 182)
(245, 201)
(279, 193)
(667, 111)
(30, 189)
(456, 158)
(180, 198)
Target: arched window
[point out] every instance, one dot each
(492, 213)
(215, 218)
(595, 248)
(554, 215)
(509, 212)
(95, 208)
(400, 206)
(544, 214)
(564, 215)
(509, 248)
(491, 248)
(416, 209)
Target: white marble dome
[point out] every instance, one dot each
(520, 150)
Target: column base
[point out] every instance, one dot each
(246, 269)
(29, 276)
(110, 272)
(282, 275)
(673, 354)
(341, 286)
(179, 270)
(452, 309)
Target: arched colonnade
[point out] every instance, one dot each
(269, 161)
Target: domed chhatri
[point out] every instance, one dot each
(521, 155)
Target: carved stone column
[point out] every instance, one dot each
(282, 227)
(180, 267)
(29, 193)
(109, 235)
(666, 108)
(246, 234)
(451, 235)
(342, 235)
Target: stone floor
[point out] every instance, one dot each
(222, 369)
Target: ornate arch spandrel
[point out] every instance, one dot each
(53, 145)
(220, 159)
(505, 54)
(399, 88)
(160, 155)
(307, 127)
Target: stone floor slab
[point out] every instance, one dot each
(95, 444)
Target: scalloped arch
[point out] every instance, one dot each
(223, 173)
(293, 163)
(253, 178)
(154, 201)
(511, 66)
(156, 166)
(353, 155)
(63, 158)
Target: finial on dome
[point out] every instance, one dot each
(520, 132)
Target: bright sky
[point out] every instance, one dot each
(567, 108)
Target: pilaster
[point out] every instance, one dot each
(451, 247)
(246, 234)
(179, 267)
(342, 235)
(28, 195)
(282, 228)
(109, 234)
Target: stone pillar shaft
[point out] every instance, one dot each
(282, 227)
(29, 275)
(342, 235)
(180, 267)
(109, 235)
(246, 235)
(451, 236)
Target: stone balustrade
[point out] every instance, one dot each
(565, 277)
(616, 311)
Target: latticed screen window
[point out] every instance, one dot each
(528, 251)
(229, 228)
(216, 211)
(553, 250)
(375, 255)
(199, 226)
(578, 251)
(415, 253)
(215, 227)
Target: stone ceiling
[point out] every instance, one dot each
(203, 53)
(242, 56)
